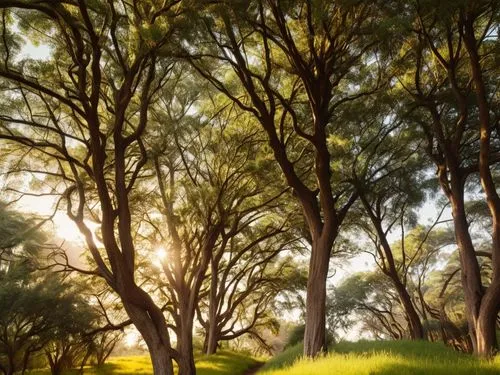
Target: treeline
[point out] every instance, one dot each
(45, 320)
(237, 135)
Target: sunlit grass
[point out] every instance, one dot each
(383, 358)
(223, 363)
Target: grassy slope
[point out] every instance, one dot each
(382, 358)
(223, 363)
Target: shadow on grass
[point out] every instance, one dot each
(224, 363)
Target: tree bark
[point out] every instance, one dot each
(158, 347)
(415, 325)
(490, 305)
(315, 332)
(211, 340)
(185, 346)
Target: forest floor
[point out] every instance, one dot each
(222, 363)
(381, 358)
(345, 358)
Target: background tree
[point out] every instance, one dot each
(437, 79)
(209, 196)
(85, 115)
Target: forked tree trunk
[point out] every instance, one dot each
(315, 331)
(158, 345)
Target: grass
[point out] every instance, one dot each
(284, 359)
(222, 363)
(382, 358)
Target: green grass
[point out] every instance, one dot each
(382, 358)
(284, 359)
(222, 363)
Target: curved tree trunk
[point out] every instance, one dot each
(486, 337)
(470, 272)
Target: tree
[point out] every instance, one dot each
(244, 291)
(36, 309)
(103, 345)
(369, 298)
(69, 345)
(289, 66)
(209, 195)
(388, 175)
(84, 112)
(444, 47)
(23, 331)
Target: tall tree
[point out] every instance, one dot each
(84, 111)
(289, 66)
(445, 44)
(209, 195)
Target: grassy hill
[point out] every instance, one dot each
(382, 358)
(223, 363)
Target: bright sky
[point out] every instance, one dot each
(29, 50)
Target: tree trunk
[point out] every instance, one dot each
(26, 358)
(156, 341)
(389, 269)
(210, 346)
(485, 330)
(414, 323)
(315, 332)
(11, 365)
(486, 323)
(161, 361)
(211, 340)
(185, 347)
(470, 272)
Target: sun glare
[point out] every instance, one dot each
(159, 256)
(66, 229)
(131, 338)
(161, 253)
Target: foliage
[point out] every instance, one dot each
(296, 336)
